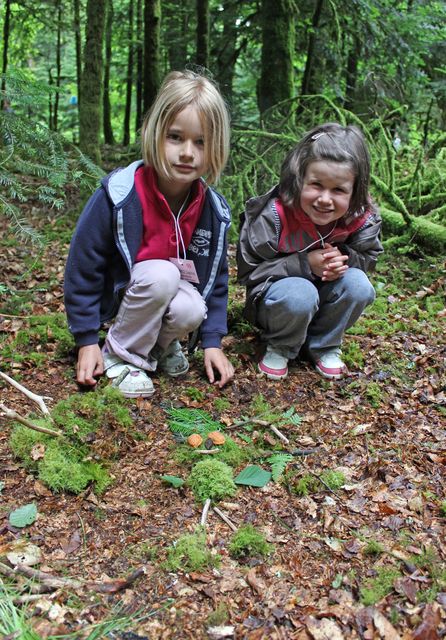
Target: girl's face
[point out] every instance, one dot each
(326, 192)
(184, 149)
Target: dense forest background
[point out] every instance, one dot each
(78, 76)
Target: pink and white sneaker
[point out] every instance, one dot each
(330, 365)
(273, 364)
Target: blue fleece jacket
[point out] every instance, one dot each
(103, 250)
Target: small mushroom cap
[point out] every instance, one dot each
(216, 437)
(194, 440)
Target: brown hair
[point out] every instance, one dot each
(333, 143)
(179, 90)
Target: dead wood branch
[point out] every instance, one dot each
(225, 518)
(13, 415)
(32, 396)
(279, 434)
(204, 513)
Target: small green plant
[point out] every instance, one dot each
(195, 394)
(278, 462)
(374, 394)
(247, 542)
(211, 479)
(219, 616)
(375, 589)
(221, 404)
(305, 485)
(333, 479)
(373, 548)
(352, 354)
(443, 509)
(189, 553)
(184, 421)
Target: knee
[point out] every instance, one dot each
(298, 298)
(161, 277)
(358, 287)
(187, 317)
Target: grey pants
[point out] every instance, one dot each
(157, 308)
(296, 312)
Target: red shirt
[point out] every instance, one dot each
(159, 240)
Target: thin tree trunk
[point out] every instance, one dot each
(276, 79)
(6, 28)
(228, 54)
(92, 81)
(50, 102)
(108, 130)
(203, 33)
(58, 63)
(129, 81)
(351, 73)
(305, 88)
(139, 61)
(176, 18)
(152, 19)
(77, 38)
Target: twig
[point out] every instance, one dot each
(207, 451)
(225, 518)
(10, 413)
(279, 434)
(33, 396)
(122, 376)
(204, 513)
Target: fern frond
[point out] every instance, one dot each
(187, 421)
(278, 462)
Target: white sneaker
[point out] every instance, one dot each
(172, 361)
(330, 365)
(273, 364)
(136, 384)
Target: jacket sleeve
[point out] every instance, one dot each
(215, 325)
(86, 269)
(364, 246)
(258, 258)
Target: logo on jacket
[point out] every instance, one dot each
(200, 242)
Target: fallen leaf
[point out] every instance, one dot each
(428, 629)
(324, 629)
(385, 629)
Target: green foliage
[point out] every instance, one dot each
(305, 485)
(374, 394)
(333, 479)
(375, 589)
(352, 354)
(253, 476)
(219, 616)
(66, 463)
(211, 479)
(443, 508)
(189, 553)
(373, 548)
(278, 462)
(23, 516)
(248, 542)
(185, 421)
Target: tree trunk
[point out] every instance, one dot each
(176, 17)
(351, 73)
(129, 80)
(92, 81)
(227, 56)
(58, 64)
(276, 76)
(108, 130)
(306, 80)
(203, 33)
(139, 59)
(6, 27)
(152, 18)
(77, 38)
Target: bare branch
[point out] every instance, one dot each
(33, 396)
(13, 415)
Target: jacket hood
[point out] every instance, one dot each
(120, 182)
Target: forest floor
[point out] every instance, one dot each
(360, 555)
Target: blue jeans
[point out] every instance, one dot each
(296, 312)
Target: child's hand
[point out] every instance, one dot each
(215, 358)
(89, 364)
(328, 263)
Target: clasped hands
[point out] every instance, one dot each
(328, 263)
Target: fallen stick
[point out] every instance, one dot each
(279, 434)
(13, 415)
(122, 376)
(33, 396)
(225, 518)
(204, 513)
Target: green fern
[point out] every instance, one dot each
(185, 421)
(278, 462)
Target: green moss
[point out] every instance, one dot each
(247, 542)
(333, 479)
(211, 479)
(230, 453)
(352, 354)
(189, 553)
(222, 404)
(375, 589)
(305, 485)
(67, 463)
(374, 394)
(373, 548)
(219, 616)
(443, 509)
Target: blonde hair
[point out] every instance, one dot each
(179, 90)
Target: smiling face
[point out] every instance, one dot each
(184, 152)
(326, 191)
